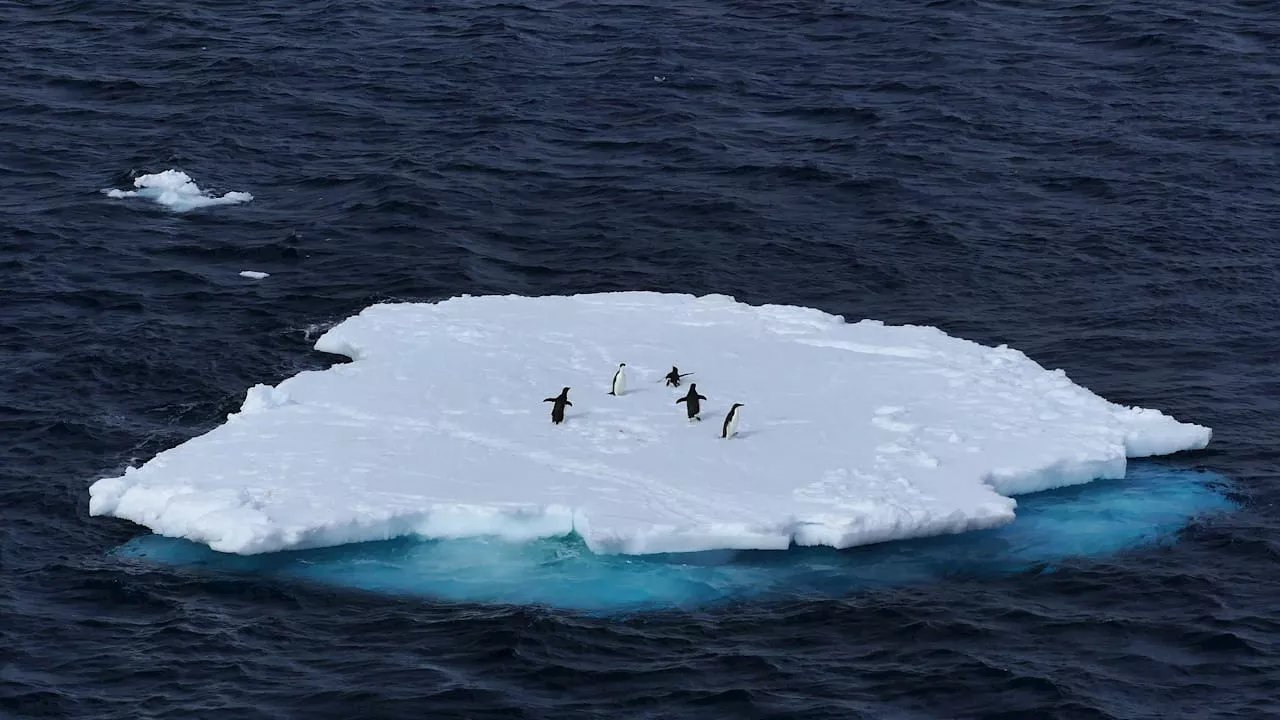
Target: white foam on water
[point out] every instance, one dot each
(254, 274)
(177, 191)
(854, 433)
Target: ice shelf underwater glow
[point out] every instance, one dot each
(852, 433)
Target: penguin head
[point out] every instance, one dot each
(622, 364)
(736, 406)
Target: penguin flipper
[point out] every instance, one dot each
(702, 397)
(566, 402)
(681, 400)
(549, 400)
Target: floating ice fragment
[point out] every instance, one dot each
(177, 191)
(859, 433)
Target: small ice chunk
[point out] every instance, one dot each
(176, 190)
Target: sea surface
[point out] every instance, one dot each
(1095, 184)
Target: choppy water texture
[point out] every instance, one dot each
(1094, 184)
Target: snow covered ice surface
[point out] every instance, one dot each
(177, 191)
(852, 433)
(254, 274)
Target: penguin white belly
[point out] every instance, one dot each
(731, 423)
(619, 382)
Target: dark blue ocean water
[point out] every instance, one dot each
(1096, 184)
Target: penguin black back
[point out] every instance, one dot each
(559, 403)
(673, 377)
(691, 401)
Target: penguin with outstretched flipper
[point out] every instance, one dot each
(673, 377)
(557, 410)
(691, 401)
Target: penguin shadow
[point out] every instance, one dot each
(739, 435)
(765, 428)
(719, 414)
(573, 418)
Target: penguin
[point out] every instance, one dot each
(691, 401)
(557, 410)
(673, 377)
(619, 385)
(730, 427)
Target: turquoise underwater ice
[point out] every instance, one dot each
(1149, 507)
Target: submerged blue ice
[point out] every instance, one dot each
(1149, 507)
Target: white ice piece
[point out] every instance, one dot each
(858, 433)
(177, 191)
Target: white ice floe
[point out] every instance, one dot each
(254, 274)
(852, 433)
(177, 191)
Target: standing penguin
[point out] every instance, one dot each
(557, 410)
(619, 385)
(730, 427)
(673, 377)
(691, 401)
